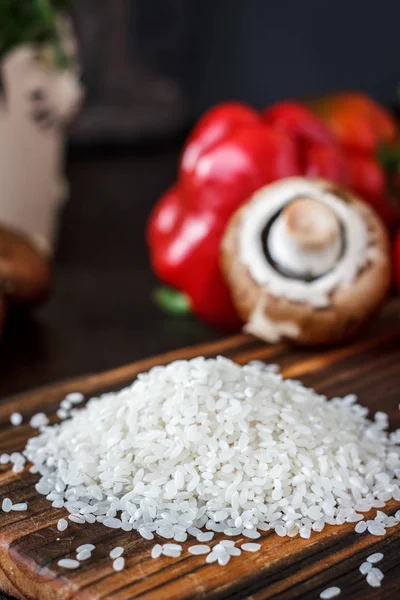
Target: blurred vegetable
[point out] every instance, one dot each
(25, 272)
(397, 260)
(231, 153)
(367, 133)
(172, 302)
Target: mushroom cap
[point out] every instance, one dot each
(350, 304)
(25, 271)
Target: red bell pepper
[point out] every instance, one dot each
(396, 261)
(367, 133)
(231, 153)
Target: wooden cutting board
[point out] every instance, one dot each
(285, 568)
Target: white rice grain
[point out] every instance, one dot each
(76, 519)
(372, 579)
(330, 592)
(39, 420)
(6, 505)
(199, 549)
(375, 558)
(224, 559)
(89, 547)
(232, 531)
(250, 547)
(360, 527)
(376, 530)
(365, 567)
(16, 419)
(116, 552)
(62, 524)
(252, 534)
(227, 543)
(75, 397)
(83, 555)
(377, 573)
(212, 557)
(205, 536)
(145, 533)
(21, 506)
(119, 564)
(68, 563)
(112, 523)
(156, 551)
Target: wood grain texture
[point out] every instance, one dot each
(285, 569)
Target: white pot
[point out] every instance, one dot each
(37, 104)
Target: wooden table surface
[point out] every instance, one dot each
(284, 569)
(100, 315)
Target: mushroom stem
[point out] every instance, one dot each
(305, 240)
(311, 224)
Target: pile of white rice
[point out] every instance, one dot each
(209, 445)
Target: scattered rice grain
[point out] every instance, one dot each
(16, 419)
(376, 530)
(89, 547)
(83, 555)
(68, 563)
(330, 592)
(156, 551)
(62, 524)
(116, 552)
(21, 506)
(199, 549)
(6, 505)
(365, 567)
(360, 527)
(250, 547)
(119, 564)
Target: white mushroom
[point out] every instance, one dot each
(306, 260)
(349, 256)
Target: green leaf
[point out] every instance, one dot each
(389, 157)
(31, 21)
(172, 301)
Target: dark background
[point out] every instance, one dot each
(152, 66)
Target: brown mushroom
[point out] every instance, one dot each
(306, 261)
(25, 271)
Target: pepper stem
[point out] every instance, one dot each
(172, 301)
(389, 157)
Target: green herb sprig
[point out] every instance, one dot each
(34, 22)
